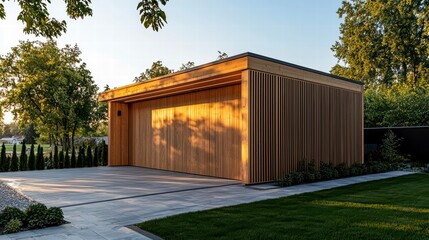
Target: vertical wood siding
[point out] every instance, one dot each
(197, 132)
(291, 120)
(118, 134)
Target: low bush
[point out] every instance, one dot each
(13, 226)
(35, 215)
(10, 213)
(54, 217)
(327, 171)
(343, 170)
(307, 172)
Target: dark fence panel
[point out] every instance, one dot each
(415, 141)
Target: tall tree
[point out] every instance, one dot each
(156, 70)
(383, 42)
(23, 164)
(30, 134)
(50, 87)
(37, 20)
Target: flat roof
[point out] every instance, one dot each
(219, 67)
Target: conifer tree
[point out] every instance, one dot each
(23, 164)
(96, 157)
(61, 164)
(14, 162)
(3, 158)
(84, 162)
(80, 158)
(56, 158)
(7, 165)
(38, 154)
(67, 160)
(89, 158)
(41, 160)
(32, 159)
(73, 158)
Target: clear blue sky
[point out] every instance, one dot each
(116, 47)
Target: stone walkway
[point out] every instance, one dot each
(103, 214)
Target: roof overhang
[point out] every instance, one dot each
(221, 73)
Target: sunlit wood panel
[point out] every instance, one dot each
(196, 132)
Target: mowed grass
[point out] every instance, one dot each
(396, 208)
(9, 148)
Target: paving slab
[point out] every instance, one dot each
(64, 187)
(171, 194)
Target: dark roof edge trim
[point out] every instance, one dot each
(404, 127)
(297, 66)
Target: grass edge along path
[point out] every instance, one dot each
(394, 208)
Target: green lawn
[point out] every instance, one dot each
(396, 208)
(9, 147)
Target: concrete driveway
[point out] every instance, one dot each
(72, 187)
(100, 202)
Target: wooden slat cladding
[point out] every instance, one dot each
(195, 132)
(291, 120)
(118, 134)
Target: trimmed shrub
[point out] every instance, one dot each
(356, 169)
(317, 176)
(309, 177)
(23, 164)
(297, 177)
(343, 170)
(3, 159)
(14, 165)
(286, 181)
(67, 160)
(35, 215)
(32, 159)
(10, 213)
(54, 216)
(327, 171)
(13, 226)
(73, 158)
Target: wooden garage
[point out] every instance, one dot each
(247, 117)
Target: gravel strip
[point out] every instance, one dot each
(11, 198)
